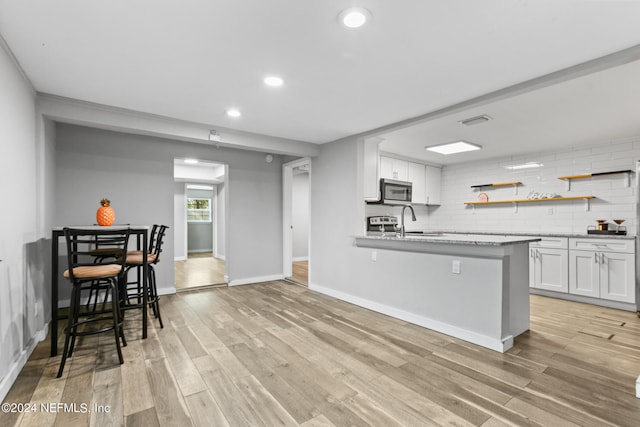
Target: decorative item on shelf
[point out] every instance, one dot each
(620, 229)
(105, 215)
(602, 227)
(483, 197)
(534, 195)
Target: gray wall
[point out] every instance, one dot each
(22, 246)
(136, 173)
(200, 234)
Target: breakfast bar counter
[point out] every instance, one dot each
(471, 286)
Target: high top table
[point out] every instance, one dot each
(141, 233)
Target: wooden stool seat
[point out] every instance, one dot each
(96, 272)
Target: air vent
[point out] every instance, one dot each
(475, 120)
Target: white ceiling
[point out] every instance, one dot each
(595, 108)
(193, 59)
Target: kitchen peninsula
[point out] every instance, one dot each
(470, 286)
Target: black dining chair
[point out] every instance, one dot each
(87, 276)
(132, 293)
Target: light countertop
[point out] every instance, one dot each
(454, 238)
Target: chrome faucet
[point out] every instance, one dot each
(413, 218)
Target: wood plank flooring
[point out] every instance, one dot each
(300, 272)
(279, 354)
(199, 269)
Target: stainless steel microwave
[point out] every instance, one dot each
(394, 192)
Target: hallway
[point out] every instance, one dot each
(200, 269)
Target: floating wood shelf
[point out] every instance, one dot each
(568, 178)
(516, 201)
(499, 184)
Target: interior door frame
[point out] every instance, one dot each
(287, 214)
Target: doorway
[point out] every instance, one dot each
(200, 212)
(296, 220)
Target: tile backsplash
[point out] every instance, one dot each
(614, 199)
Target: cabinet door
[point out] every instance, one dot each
(371, 170)
(584, 273)
(391, 168)
(386, 167)
(416, 173)
(433, 192)
(401, 170)
(553, 274)
(617, 276)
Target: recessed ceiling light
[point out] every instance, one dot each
(475, 120)
(273, 81)
(191, 161)
(354, 17)
(527, 165)
(453, 147)
(233, 112)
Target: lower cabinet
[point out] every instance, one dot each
(602, 269)
(598, 268)
(548, 265)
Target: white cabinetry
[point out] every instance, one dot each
(602, 268)
(416, 175)
(371, 168)
(548, 264)
(432, 189)
(391, 168)
(425, 178)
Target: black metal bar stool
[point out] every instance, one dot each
(131, 294)
(85, 275)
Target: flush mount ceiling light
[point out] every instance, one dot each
(191, 161)
(475, 120)
(233, 112)
(453, 147)
(354, 17)
(527, 165)
(273, 81)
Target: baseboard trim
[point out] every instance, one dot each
(252, 280)
(500, 345)
(20, 361)
(619, 305)
(167, 291)
(300, 258)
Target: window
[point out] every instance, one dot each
(199, 210)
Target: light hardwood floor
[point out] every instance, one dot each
(199, 269)
(300, 272)
(280, 354)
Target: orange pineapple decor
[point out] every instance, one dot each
(105, 215)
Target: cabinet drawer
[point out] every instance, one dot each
(605, 245)
(551, 242)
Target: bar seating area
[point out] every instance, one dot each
(132, 290)
(113, 264)
(86, 275)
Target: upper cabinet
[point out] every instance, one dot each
(425, 178)
(391, 168)
(417, 176)
(371, 169)
(433, 192)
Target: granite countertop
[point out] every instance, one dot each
(453, 238)
(516, 233)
